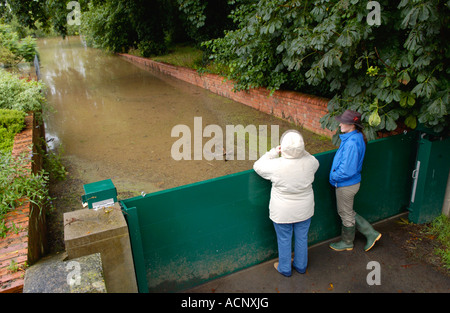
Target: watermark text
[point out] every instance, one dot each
(214, 149)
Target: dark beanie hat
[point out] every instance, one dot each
(350, 117)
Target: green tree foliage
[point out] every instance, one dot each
(28, 12)
(106, 25)
(42, 14)
(20, 94)
(152, 25)
(392, 72)
(205, 19)
(11, 122)
(116, 25)
(19, 186)
(13, 50)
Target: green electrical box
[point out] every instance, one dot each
(99, 194)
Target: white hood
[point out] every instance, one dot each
(292, 145)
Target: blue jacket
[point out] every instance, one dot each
(347, 163)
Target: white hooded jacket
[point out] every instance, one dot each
(292, 175)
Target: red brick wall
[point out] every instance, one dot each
(298, 108)
(29, 244)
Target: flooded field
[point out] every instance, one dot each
(112, 119)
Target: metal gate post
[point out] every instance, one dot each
(429, 178)
(136, 248)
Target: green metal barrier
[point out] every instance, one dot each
(188, 235)
(431, 176)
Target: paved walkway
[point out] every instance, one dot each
(344, 272)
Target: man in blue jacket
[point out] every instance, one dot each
(345, 176)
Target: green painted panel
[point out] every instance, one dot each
(136, 246)
(432, 177)
(98, 192)
(386, 177)
(325, 223)
(200, 231)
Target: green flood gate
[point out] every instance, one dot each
(185, 236)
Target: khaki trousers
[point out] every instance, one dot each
(344, 198)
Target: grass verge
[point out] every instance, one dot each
(439, 229)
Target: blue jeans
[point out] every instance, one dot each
(284, 239)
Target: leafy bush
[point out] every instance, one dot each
(11, 122)
(149, 48)
(20, 94)
(19, 186)
(107, 26)
(117, 25)
(13, 50)
(6, 140)
(203, 19)
(393, 72)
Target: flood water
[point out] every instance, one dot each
(113, 119)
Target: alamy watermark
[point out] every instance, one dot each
(374, 16)
(374, 276)
(214, 149)
(74, 276)
(74, 16)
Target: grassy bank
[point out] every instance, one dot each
(439, 230)
(430, 243)
(187, 56)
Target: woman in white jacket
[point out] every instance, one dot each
(291, 199)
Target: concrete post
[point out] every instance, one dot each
(91, 231)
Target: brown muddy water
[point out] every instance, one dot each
(112, 119)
